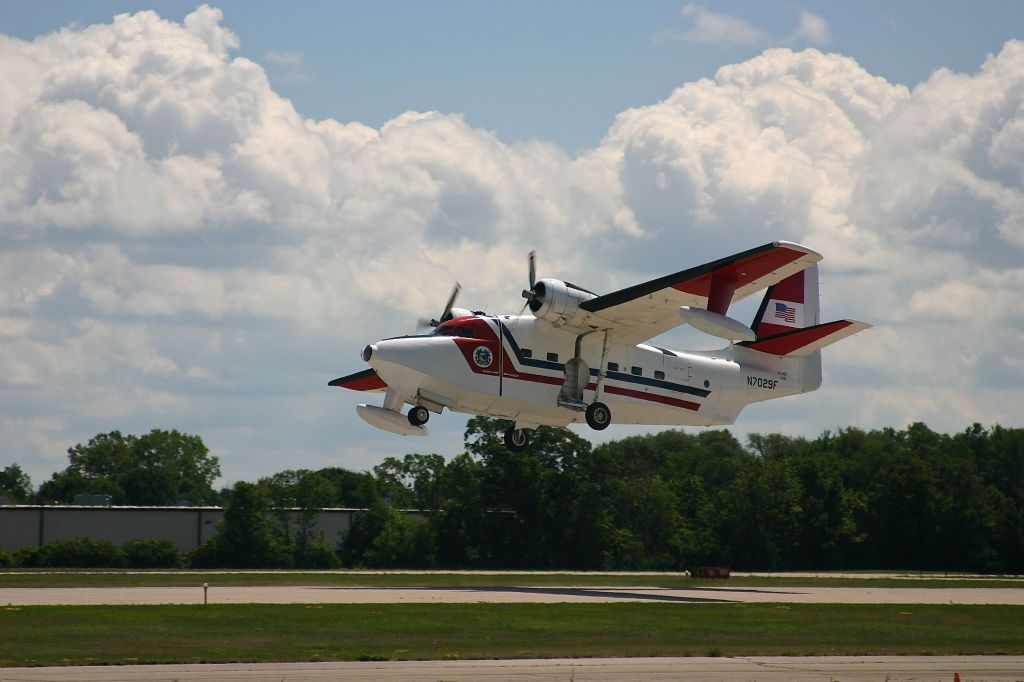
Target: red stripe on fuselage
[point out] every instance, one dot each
(654, 397)
(487, 337)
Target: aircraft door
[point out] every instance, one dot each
(679, 370)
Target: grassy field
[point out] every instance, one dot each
(50, 635)
(372, 579)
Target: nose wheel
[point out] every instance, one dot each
(598, 416)
(516, 440)
(418, 415)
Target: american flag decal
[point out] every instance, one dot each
(784, 312)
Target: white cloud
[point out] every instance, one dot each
(725, 30)
(204, 22)
(284, 58)
(182, 248)
(710, 28)
(288, 65)
(813, 29)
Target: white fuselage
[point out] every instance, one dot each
(514, 367)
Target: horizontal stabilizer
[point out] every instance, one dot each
(805, 341)
(367, 380)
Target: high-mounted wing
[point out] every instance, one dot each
(643, 311)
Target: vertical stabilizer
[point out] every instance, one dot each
(790, 305)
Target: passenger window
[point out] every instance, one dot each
(613, 367)
(527, 353)
(553, 357)
(658, 374)
(637, 371)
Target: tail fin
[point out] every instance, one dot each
(790, 304)
(787, 325)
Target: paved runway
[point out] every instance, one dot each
(763, 669)
(23, 596)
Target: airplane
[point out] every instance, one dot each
(580, 356)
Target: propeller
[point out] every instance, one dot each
(447, 314)
(531, 295)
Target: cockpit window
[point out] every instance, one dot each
(464, 332)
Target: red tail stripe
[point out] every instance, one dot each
(784, 344)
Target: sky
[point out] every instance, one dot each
(206, 211)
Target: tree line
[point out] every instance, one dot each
(896, 499)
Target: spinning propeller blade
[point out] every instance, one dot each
(531, 294)
(447, 314)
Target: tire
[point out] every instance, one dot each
(598, 416)
(418, 415)
(516, 440)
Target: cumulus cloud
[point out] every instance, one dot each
(183, 248)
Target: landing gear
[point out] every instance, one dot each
(598, 416)
(418, 415)
(516, 440)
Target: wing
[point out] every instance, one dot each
(645, 310)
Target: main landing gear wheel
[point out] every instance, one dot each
(598, 416)
(516, 440)
(418, 415)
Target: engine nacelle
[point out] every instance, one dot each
(559, 302)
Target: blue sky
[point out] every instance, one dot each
(206, 211)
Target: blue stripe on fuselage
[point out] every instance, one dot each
(616, 376)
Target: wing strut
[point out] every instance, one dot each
(720, 293)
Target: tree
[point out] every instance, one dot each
(15, 483)
(160, 467)
(383, 537)
(884, 498)
(298, 497)
(245, 537)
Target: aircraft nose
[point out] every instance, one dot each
(368, 351)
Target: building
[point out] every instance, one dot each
(186, 527)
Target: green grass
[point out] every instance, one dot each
(376, 579)
(74, 635)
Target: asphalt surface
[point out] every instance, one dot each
(762, 669)
(326, 594)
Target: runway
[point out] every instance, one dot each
(696, 669)
(321, 594)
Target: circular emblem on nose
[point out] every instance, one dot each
(482, 356)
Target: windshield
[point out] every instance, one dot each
(454, 330)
